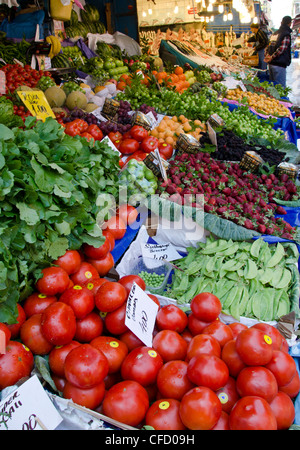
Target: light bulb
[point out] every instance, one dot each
(144, 14)
(150, 11)
(210, 7)
(212, 18)
(255, 20)
(225, 17)
(221, 8)
(176, 9)
(230, 16)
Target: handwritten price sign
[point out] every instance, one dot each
(37, 104)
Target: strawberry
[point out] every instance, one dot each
(280, 210)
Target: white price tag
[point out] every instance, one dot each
(28, 408)
(160, 252)
(111, 144)
(242, 86)
(212, 134)
(97, 113)
(141, 313)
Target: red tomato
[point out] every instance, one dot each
(14, 328)
(165, 150)
(59, 382)
(85, 273)
(115, 321)
(293, 387)
(70, 261)
(126, 402)
(114, 350)
(139, 156)
(271, 331)
(223, 422)
(257, 380)
(228, 395)
(85, 366)
(155, 299)
(89, 397)
(170, 345)
(31, 335)
(130, 340)
(55, 280)
(172, 380)
(208, 370)
(128, 280)
(149, 144)
(94, 285)
(284, 410)
(111, 379)
(7, 334)
(88, 328)
(116, 226)
(127, 135)
(164, 415)
(236, 328)
(57, 358)
(283, 366)
(254, 347)
(139, 133)
(252, 413)
(103, 265)
(203, 343)
(220, 331)
(200, 409)
(142, 365)
(110, 237)
(232, 359)
(128, 146)
(15, 364)
(195, 325)
(127, 213)
(187, 335)
(110, 296)
(81, 300)
(36, 303)
(206, 307)
(58, 323)
(97, 252)
(171, 317)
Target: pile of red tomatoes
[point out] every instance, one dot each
(16, 76)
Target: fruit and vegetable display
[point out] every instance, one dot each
(138, 181)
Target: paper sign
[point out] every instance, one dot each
(28, 408)
(160, 165)
(141, 313)
(37, 104)
(160, 252)
(2, 83)
(212, 134)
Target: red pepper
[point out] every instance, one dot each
(76, 127)
(95, 131)
(87, 135)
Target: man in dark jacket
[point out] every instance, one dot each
(261, 42)
(278, 53)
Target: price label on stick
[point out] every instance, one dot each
(160, 165)
(37, 104)
(141, 313)
(212, 134)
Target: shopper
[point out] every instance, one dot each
(278, 53)
(261, 41)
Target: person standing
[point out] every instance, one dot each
(278, 53)
(261, 41)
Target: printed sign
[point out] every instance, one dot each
(212, 134)
(37, 104)
(2, 83)
(160, 252)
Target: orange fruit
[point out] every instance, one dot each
(178, 70)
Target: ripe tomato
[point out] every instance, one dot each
(115, 136)
(70, 261)
(232, 359)
(94, 285)
(6, 331)
(88, 328)
(14, 328)
(110, 296)
(206, 307)
(223, 422)
(172, 380)
(130, 340)
(115, 226)
(283, 366)
(170, 345)
(139, 156)
(208, 370)
(149, 144)
(15, 364)
(36, 303)
(165, 150)
(293, 387)
(126, 402)
(58, 323)
(81, 300)
(203, 343)
(139, 133)
(59, 382)
(57, 358)
(127, 213)
(200, 409)
(89, 397)
(110, 238)
(97, 252)
(155, 299)
(114, 350)
(111, 379)
(85, 366)
(128, 146)
(195, 325)
(142, 365)
(220, 331)
(254, 347)
(257, 380)
(236, 328)
(55, 280)
(103, 265)
(128, 280)
(284, 410)
(164, 415)
(171, 317)
(228, 395)
(114, 321)
(85, 273)
(31, 335)
(252, 413)
(271, 331)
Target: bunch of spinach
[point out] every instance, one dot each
(51, 186)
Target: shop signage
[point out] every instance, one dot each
(37, 104)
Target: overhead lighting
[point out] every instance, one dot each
(176, 9)
(144, 14)
(212, 19)
(221, 9)
(210, 7)
(150, 11)
(225, 18)
(255, 20)
(230, 16)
